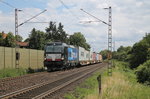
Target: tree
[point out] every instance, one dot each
(143, 73)
(18, 38)
(138, 54)
(51, 32)
(148, 55)
(104, 54)
(62, 34)
(1, 40)
(10, 41)
(78, 39)
(37, 39)
(122, 53)
(54, 33)
(26, 40)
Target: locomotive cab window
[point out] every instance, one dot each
(54, 48)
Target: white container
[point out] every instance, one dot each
(82, 54)
(87, 55)
(91, 56)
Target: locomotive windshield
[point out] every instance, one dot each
(53, 48)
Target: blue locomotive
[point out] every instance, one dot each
(59, 55)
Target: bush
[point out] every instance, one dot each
(143, 73)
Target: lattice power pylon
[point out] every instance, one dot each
(110, 42)
(109, 36)
(16, 33)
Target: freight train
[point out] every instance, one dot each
(60, 55)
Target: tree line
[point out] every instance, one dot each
(138, 57)
(37, 39)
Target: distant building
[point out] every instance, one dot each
(23, 44)
(20, 44)
(4, 35)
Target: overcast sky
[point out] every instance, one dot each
(130, 18)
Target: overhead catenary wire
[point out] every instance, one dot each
(68, 9)
(29, 15)
(32, 18)
(94, 17)
(7, 4)
(11, 6)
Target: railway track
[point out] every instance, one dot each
(20, 77)
(45, 89)
(9, 85)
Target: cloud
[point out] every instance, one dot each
(130, 19)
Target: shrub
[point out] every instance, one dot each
(143, 73)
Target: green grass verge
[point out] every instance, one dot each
(12, 72)
(89, 86)
(121, 85)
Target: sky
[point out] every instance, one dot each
(130, 19)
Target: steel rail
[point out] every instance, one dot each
(22, 91)
(41, 96)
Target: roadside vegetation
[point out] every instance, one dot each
(37, 39)
(89, 86)
(138, 58)
(121, 85)
(12, 72)
(130, 78)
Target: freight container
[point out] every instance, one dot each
(87, 57)
(91, 57)
(94, 57)
(100, 57)
(81, 54)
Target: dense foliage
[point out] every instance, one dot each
(18, 38)
(143, 73)
(1, 40)
(139, 53)
(78, 39)
(104, 54)
(122, 53)
(37, 39)
(9, 41)
(138, 58)
(54, 33)
(136, 55)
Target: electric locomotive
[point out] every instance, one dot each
(59, 55)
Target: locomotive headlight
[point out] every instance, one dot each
(44, 58)
(62, 58)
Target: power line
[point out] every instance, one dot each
(68, 9)
(8, 4)
(32, 18)
(30, 15)
(38, 22)
(95, 17)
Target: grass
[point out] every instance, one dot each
(9, 72)
(121, 85)
(88, 87)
